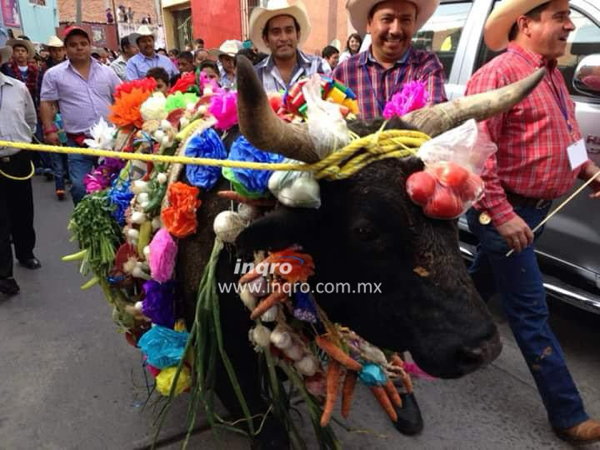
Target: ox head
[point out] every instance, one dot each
(368, 231)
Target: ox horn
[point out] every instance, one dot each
(261, 126)
(437, 119)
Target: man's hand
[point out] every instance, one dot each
(516, 233)
(51, 139)
(590, 171)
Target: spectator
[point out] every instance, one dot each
(130, 14)
(57, 54)
(163, 52)
(173, 54)
(128, 50)
(199, 44)
(352, 47)
(226, 54)
(121, 14)
(109, 16)
(18, 119)
(161, 77)
(200, 55)
(185, 62)
(83, 90)
(147, 58)
(254, 56)
(331, 55)
(210, 69)
(22, 66)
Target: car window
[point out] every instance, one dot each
(584, 41)
(442, 31)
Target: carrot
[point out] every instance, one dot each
(267, 303)
(334, 377)
(406, 381)
(397, 361)
(348, 392)
(337, 354)
(383, 399)
(234, 196)
(392, 393)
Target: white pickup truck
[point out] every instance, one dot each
(569, 250)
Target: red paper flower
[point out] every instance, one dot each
(186, 80)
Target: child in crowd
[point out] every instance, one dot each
(59, 160)
(160, 75)
(185, 62)
(210, 69)
(331, 55)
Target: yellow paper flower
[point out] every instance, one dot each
(164, 380)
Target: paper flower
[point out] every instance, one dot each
(164, 380)
(120, 197)
(144, 84)
(125, 112)
(185, 82)
(179, 100)
(204, 145)
(103, 136)
(223, 106)
(154, 107)
(163, 250)
(162, 346)
(158, 303)
(248, 182)
(102, 176)
(304, 309)
(412, 96)
(180, 216)
(372, 375)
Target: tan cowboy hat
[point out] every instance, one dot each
(142, 31)
(5, 54)
(502, 18)
(260, 16)
(227, 48)
(23, 43)
(55, 42)
(358, 10)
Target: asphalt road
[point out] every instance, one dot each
(68, 380)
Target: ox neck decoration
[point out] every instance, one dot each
(130, 228)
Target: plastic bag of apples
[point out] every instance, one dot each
(450, 182)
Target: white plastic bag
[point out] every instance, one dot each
(294, 188)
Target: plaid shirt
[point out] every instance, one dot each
(271, 79)
(374, 86)
(532, 137)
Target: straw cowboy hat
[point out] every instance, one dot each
(23, 43)
(142, 31)
(359, 12)
(260, 16)
(502, 18)
(227, 48)
(55, 42)
(5, 53)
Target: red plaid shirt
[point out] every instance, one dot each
(374, 86)
(532, 137)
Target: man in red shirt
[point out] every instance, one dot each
(532, 167)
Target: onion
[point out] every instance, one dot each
(270, 315)
(159, 135)
(161, 178)
(260, 287)
(132, 233)
(137, 272)
(138, 217)
(156, 223)
(138, 306)
(143, 197)
(228, 225)
(140, 186)
(202, 110)
(247, 298)
(281, 339)
(248, 212)
(146, 251)
(184, 122)
(260, 335)
(165, 124)
(307, 366)
(294, 352)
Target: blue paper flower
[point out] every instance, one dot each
(119, 197)
(162, 346)
(205, 145)
(372, 375)
(304, 309)
(158, 303)
(253, 181)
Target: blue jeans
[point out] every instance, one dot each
(519, 281)
(59, 168)
(79, 166)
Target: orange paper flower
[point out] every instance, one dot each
(180, 216)
(125, 112)
(298, 266)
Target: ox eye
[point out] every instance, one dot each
(365, 232)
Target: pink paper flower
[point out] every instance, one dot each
(224, 107)
(163, 250)
(412, 96)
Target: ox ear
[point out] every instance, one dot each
(280, 229)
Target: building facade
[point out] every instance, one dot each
(177, 20)
(39, 18)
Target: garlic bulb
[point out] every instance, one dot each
(143, 197)
(161, 178)
(307, 366)
(228, 225)
(247, 298)
(159, 135)
(138, 217)
(156, 223)
(294, 352)
(280, 338)
(270, 315)
(144, 205)
(248, 212)
(132, 233)
(260, 335)
(140, 186)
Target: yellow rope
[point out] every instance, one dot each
(25, 178)
(340, 164)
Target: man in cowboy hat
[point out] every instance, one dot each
(82, 89)
(21, 66)
(279, 29)
(377, 74)
(17, 123)
(57, 51)
(226, 55)
(147, 58)
(536, 140)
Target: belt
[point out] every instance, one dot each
(78, 138)
(519, 200)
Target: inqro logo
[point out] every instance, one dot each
(279, 265)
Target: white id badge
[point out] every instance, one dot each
(577, 154)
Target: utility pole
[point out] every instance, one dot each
(78, 13)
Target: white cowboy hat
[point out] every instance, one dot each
(260, 16)
(142, 31)
(359, 10)
(23, 43)
(501, 20)
(5, 54)
(54, 41)
(228, 48)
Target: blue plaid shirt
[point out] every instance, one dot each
(138, 65)
(306, 66)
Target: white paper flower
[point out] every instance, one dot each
(103, 136)
(154, 107)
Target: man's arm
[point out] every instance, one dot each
(30, 115)
(131, 71)
(433, 76)
(48, 98)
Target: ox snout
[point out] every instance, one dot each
(469, 358)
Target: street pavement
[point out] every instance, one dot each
(68, 379)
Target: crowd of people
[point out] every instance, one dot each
(62, 97)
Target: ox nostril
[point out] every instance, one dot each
(469, 359)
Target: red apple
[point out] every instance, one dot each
(420, 187)
(444, 204)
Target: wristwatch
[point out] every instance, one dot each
(50, 129)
